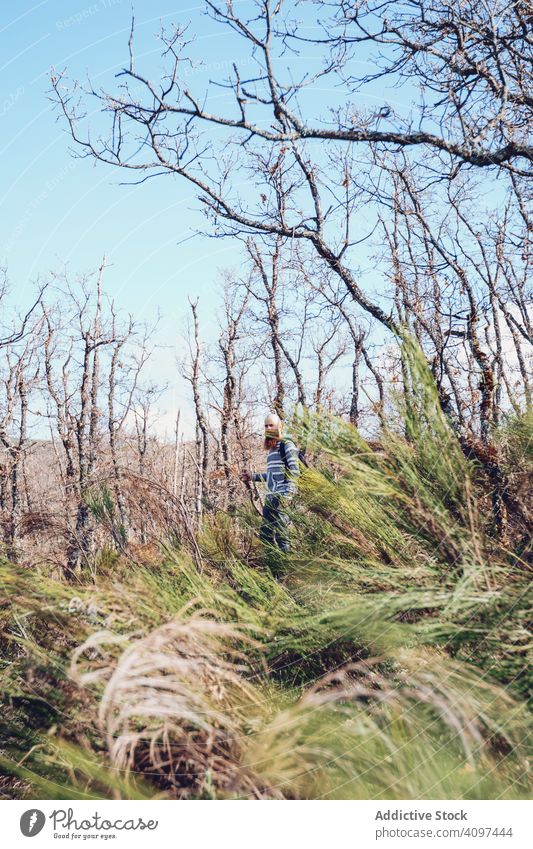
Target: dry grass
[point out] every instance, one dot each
(176, 706)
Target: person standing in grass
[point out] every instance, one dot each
(281, 476)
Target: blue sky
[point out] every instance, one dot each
(58, 210)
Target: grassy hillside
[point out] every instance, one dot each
(386, 657)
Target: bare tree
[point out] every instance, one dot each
(194, 376)
(17, 382)
(333, 186)
(144, 400)
(126, 365)
(328, 348)
(14, 331)
(271, 291)
(73, 340)
(232, 381)
(269, 298)
(469, 61)
(449, 266)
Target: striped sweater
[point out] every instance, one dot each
(280, 477)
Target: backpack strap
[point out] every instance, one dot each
(283, 452)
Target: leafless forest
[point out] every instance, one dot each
(444, 216)
(356, 227)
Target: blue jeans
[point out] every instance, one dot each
(275, 525)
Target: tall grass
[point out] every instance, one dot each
(386, 657)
